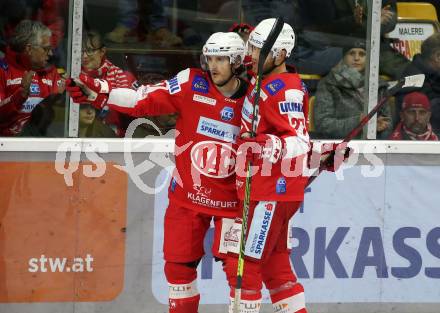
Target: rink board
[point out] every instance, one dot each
(87, 236)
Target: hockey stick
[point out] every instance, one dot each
(413, 81)
(264, 52)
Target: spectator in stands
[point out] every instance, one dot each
(428, 63)
(414, 119)
(340, 97)
(129, 22)
(96, 64)
(25, 76)
(90, 126)
(344, 18)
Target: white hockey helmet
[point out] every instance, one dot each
(285, 40)
(225, 44)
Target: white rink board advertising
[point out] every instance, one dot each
(356, 240)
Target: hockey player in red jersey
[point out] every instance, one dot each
(279, 149)
(209, 104)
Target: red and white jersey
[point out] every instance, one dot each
(283, 108)
(15, 110)
(117, 78)
(206, 131)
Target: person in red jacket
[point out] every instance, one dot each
(414, 119)
(25, 76)
(208, 103)
(95, 64)
(279, 149)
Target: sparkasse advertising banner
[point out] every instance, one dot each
(357, 239)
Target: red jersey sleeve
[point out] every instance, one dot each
(286, 113)
(163, 98)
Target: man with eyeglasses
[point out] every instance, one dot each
(26, 78)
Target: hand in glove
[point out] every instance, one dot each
(263, 146)
(86, 89)
(331, 156)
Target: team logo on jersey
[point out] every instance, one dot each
(203, 99)
(259, 229)
(274, 86)
(227, 114)
(287, 107)
(213, 159)
(173, 85)
(34, 89)
(217, 130)
(202, 190)
(281, 186)
(200, 84)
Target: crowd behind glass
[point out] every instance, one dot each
(141, 42)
